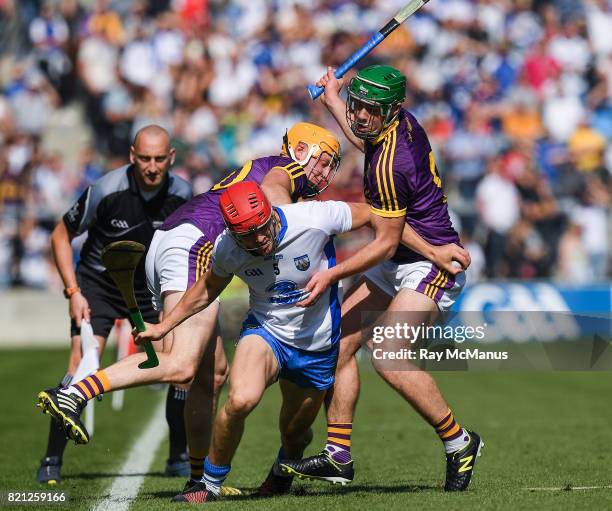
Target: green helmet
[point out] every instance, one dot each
(380, 89)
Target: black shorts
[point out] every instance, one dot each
(106, 303)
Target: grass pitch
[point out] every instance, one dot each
(541, 430)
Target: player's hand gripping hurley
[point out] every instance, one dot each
(407, 11)
(121, 259)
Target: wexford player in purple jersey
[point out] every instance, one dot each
(402, 186)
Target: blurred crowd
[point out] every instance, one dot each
(516, 96)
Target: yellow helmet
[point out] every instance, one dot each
(320, 142)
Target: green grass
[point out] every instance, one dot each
(87, 470)
(540, 429)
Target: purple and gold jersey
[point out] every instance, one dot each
(401, 179)
(203, 210)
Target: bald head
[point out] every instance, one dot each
(151, 131)
(151, 156)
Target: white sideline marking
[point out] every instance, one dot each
(571, 488)
(125, 487)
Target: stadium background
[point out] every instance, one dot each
(516, 97)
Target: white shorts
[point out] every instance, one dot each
(422, 276)
(176, 259)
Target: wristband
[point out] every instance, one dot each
(69, 291)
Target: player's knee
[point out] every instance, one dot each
(345, 357)
(211, 381)
(240, 404)
(182, 372)
(182, 377)
(220, 377)
(296, 435)
(349, 347)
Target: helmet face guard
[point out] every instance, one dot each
(379, 90)
(324, 168)
(323, 154)
(366, 130)
(249, 217)
(252, 241)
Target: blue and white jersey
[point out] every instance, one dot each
(276, 282)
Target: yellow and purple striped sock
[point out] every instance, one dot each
(196, 460)
(339, 441)
(92, 386)
(451, 433)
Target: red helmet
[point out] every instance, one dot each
(246, 210)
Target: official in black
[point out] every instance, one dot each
(128, 203)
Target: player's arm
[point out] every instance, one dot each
(277, 186)
(444, 257)
(336, 105)
(388, 232)
(360, 214)
(61, 238)
(76, 221)
(195, 299)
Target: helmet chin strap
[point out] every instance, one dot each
(311, 151)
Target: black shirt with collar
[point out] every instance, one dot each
(113, 209)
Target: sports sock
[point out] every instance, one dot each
(339, 441)
(282, 456)
(453, 435)
(56, 444)
(90, 387)
(197, 466)
(214, 475)
(175, 408)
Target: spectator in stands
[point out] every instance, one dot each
(498, 203)
(528, 80)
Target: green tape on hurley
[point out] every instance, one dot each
(152, 360)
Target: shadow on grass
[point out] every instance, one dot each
(302, 491)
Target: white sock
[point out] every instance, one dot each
(458, 443)
(214, 475)
(72, 390)
(213, 485)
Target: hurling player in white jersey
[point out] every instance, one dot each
(275, 251)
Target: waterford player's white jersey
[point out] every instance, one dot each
(276, 282)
